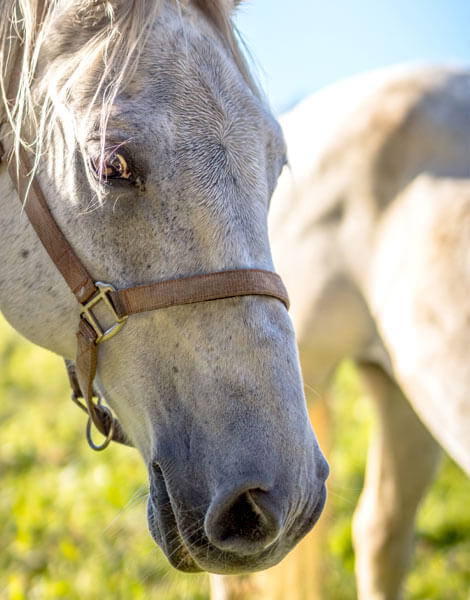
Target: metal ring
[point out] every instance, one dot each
(109, 435)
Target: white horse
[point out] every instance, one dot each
(370, 230)
(157, 159)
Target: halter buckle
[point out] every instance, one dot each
(86, 312)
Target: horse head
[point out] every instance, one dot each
(158, 159)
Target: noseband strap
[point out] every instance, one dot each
(121, 303)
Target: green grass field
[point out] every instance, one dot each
(73, 521)
(441, 564)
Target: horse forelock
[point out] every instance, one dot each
(113, 31)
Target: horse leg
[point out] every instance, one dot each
(401, 464)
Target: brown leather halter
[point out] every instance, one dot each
(120, 303)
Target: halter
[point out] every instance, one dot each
(119, 303)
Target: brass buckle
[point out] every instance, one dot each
(86, 312)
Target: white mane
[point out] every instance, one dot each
(116, 33)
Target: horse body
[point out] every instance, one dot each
(370, 230)
(210, 394)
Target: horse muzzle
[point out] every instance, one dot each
(244, 527)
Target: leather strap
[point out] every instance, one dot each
(142, 298)
(176, 292)
(199, 288)
(128, 301)
(47, 230)
(86, 364)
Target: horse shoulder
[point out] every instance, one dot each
(419, 296)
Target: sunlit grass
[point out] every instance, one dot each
(441, 563)
(73, 522)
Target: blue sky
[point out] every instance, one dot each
(303, 45)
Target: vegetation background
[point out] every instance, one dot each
(73, 522)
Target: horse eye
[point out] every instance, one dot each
(113, 167)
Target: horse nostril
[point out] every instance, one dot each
(242, 522)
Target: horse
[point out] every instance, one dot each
(370, 230)
(157, 156)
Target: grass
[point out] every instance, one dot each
(441, 563)
(73, 521)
